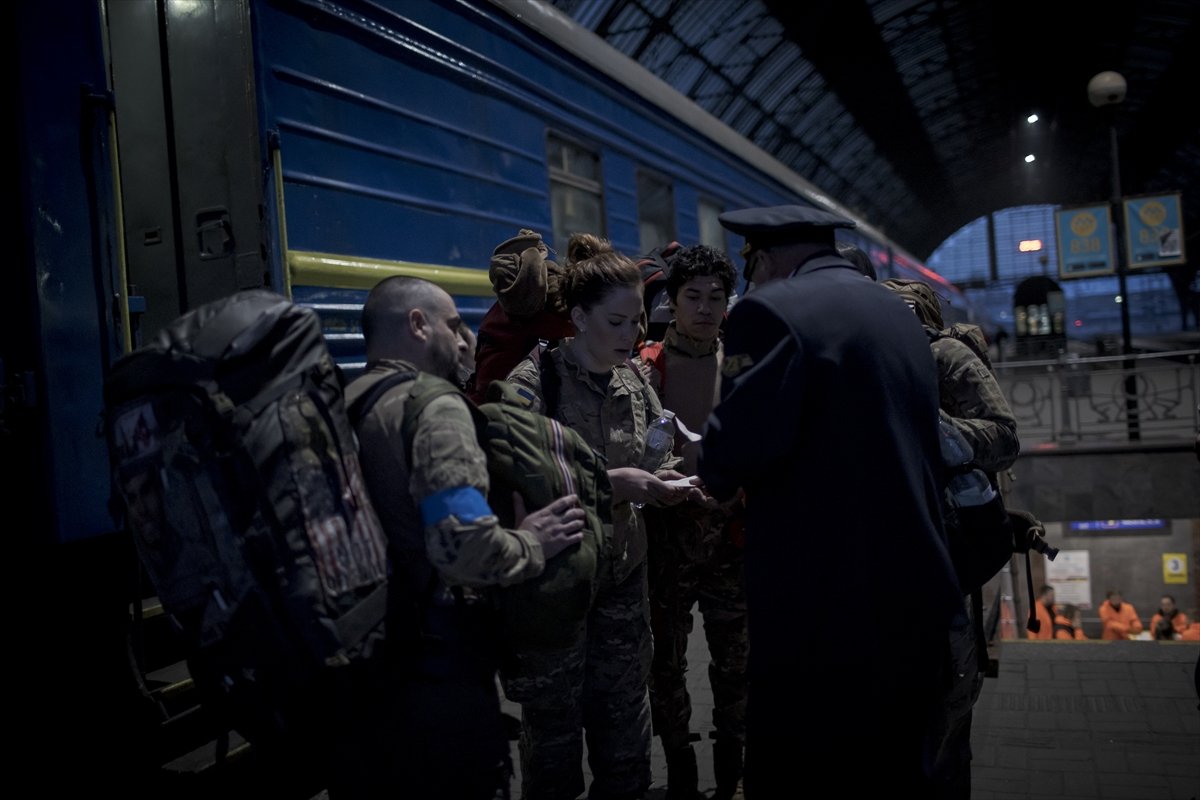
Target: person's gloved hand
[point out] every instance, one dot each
(518, 272)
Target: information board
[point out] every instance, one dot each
(1085, 245)
(1153, 231)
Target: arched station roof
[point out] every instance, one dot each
(912, 113)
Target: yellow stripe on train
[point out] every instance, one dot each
(353, 272)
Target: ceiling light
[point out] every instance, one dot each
(1029, 158)
(1032, 118)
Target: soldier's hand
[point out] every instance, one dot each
(695, 489)
(556, 527)
(639, 486)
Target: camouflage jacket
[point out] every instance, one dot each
(972, 400)
(611, 418)
(445, 455)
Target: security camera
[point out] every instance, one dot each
(1106, 89)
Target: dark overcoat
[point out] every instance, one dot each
(828, 420)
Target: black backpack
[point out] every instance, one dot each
(982, 533)
(238, 476)
(655, 267)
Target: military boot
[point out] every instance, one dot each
(682, 778)
(727, 767)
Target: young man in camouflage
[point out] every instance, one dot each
(440, 729)
(695, 554)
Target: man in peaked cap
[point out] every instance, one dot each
(799, 231)
(828, 419)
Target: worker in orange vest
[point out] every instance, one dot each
(1170, 622)
(1119, 618)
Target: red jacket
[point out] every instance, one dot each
(504, 341)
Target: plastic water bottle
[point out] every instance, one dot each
(969, 487)
(660, 441)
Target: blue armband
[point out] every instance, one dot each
(465, 502)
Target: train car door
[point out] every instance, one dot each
(187, 128)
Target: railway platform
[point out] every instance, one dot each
(1087, 720)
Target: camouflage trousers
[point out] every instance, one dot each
(599, 686)
(694, 563)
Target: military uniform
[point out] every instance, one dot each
(967, 390)
(439, 723)
(972, 401)
(694, 557)
(599, 683)
(828, 420)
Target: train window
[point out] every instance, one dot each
(656, 211)
(711, 232)
(576, 193)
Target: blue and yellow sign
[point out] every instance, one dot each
(1175, 568)
(1154, 231)
(1085, 245)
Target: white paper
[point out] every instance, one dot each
(691, 481)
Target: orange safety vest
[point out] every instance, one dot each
(1119, 623)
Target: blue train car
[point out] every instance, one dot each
(173, 152)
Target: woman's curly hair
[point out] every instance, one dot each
(593, 268)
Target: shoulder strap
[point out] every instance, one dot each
(654, 354)
(358, 410)
(551, 382)
(425, 389)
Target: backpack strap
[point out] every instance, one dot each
(1033, 625)
(655, 355)
(355, 624)
(551, 381)
(358, 410)
(424, 390)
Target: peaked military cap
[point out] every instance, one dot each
(782, 224)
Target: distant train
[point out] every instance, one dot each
(175, 151)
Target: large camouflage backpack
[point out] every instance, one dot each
(238, 477)
(973, 337)
(656, 268)
(542, 459)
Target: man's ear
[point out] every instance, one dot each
(418, 325)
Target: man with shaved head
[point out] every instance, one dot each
(441, 732)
